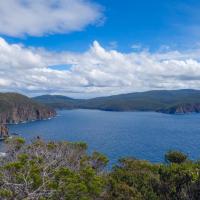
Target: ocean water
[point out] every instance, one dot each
(144, 135)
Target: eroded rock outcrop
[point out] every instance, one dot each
(4, 132)
(183, 108)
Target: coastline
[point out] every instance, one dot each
(4, 128)
(34, 120)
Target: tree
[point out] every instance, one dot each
(133, 179)
(53, 170)
(175, 157)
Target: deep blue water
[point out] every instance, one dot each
(145, 135)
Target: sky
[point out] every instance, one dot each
(89, 48)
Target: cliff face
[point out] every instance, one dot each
(3, 131)
(183, 108)
(16, 108)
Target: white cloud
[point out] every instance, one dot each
(95, 72)
(39, 17)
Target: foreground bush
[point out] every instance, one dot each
(51, 171)
(63, 170)
(140, 180)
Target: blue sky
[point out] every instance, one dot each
(150, 23)
(86, 48)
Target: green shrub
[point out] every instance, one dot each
(175, 157)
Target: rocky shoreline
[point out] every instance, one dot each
(26, 114)
(182, 109)
(4, 130)
(19, 118)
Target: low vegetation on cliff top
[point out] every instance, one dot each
(64, 170)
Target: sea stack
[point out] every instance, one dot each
(4, 132)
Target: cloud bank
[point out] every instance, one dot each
(95, 72)
(40, 17)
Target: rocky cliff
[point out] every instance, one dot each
(16, 108)
(3, 131)
(183, 108)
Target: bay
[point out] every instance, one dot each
(144, 135)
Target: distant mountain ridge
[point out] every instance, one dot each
(165, 101)
(15, 108)
(57, 101)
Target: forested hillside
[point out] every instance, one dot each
(166, 101)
